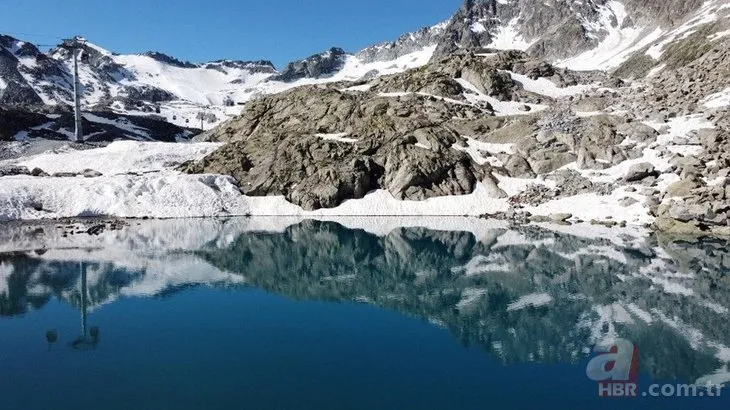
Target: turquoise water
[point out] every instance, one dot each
(315, 315)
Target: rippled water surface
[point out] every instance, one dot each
(353, 314)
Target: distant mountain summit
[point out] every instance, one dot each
(316, 66)
(630, 36)
(557, 29)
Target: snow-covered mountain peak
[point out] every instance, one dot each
(583, 35)
(258, 66)
(17, 47)
(408, 43)
(164, 58)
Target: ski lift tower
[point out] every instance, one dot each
(75, 45)
(89, 338)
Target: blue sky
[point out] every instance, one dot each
(203, 30)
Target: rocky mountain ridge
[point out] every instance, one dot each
(591, 34)
(532, 130)
(154, 83)
(555, 29)
(650, 149)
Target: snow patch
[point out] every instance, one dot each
(718, 35)
(718, 100)
(480, 265)
(543, 86)
(619, 43)
(469, 297)
(477, 149)
(119, 157)
(534, 300)
(6, 270)
(508, 37)
(501, 108)
(340, 137)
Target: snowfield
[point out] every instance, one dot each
(139, 180)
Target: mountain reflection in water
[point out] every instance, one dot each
(519, 294)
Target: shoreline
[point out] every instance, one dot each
(82, 232)
(132, 181)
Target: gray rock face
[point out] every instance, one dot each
(518, 167)
(405, 44)
(403, 143)
(640, 171)
(276, 149)
(164, 58)
(255, 67)
(683, 188)
(13, 170)
(557, 27)
(317, 66)
(554, 29)
(403, 134)
(131, 95)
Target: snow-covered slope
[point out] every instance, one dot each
(581, 35)
(182, 93)
(585, 35)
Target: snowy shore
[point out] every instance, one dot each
(138, 180)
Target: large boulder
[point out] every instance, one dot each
(518, 167)
(683, 188)
(640, 171)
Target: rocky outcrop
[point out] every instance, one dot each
(169, 60)
(317, 66)
(549, 29)
(408, 43)
(254, 67)
(553, 29)
(292, 145)
(13, 121)
(699, 202)
(320, 145)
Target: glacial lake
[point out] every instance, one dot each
(353, 314)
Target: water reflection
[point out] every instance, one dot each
(523, 294)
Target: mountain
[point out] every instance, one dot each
(163, 86)
(417, 41)
(316, 66)
(622, 105)
(650, 131)
(591, 34)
